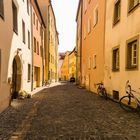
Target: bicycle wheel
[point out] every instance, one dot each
(128, 103)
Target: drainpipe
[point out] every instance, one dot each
(48, 41)
(32, 52)
(81, 42)
(42, 50)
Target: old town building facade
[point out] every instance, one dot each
(22, 49)
(122, 37)
(72, 64)
(79, 43)
(93, 28)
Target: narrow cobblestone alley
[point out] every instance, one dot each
(65, 112)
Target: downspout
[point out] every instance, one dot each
(81, 42)
(42, 50)
(48, 41)
(104, 39)
(32, 58)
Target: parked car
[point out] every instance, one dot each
(72, 79)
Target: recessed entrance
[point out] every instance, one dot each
(16, 76)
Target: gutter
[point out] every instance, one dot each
(32, 52)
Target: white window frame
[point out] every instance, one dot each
(134, 54)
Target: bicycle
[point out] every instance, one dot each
(46, 83)
(101, 91)
(130, 102)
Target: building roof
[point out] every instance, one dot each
(74, 50)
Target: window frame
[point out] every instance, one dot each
(23, 32)
(116, 19)
(89, 25)
(15, 15)
(129, 65)
(114, 59)
(2, 11)
(28, 7)
(35, 44)
(95, 16)
(134, 6)
(94, 64)
(29, 40)
(89, 62)
(29, 73)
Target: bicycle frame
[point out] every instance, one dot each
(130, 93)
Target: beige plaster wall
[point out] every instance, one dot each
(127, 28)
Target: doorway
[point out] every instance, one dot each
(16, 76)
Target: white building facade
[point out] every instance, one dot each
(16, 50)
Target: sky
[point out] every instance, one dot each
(65, 12)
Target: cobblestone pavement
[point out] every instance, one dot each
(66, 112)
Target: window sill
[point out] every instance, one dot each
(133, 8)
(132, 68)
(116, 22)
(16, 32)
(2, 16)
(115, 70)
(24, 42)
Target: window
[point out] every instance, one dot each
(115, 59)
(15, 20)
(23, 31)
(89, 62)
(34, 44)
(49, 57)
(37, 47)
(41, 51)
(94, 61)
(117, 9)
(29, 72)
(89, 25)
(85, 5)
(95, 16)
(37, 24)
(28, 39)
(84, 33)
(1, 9)
(28, 6)
(132, 54)
(132, 4)
(34, 18)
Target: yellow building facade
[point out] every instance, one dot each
(79, 43)
(53, 47)
(51, 41)
(72, 64)
(65, 68)
(93, 34)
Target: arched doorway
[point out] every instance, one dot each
(16, 76)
